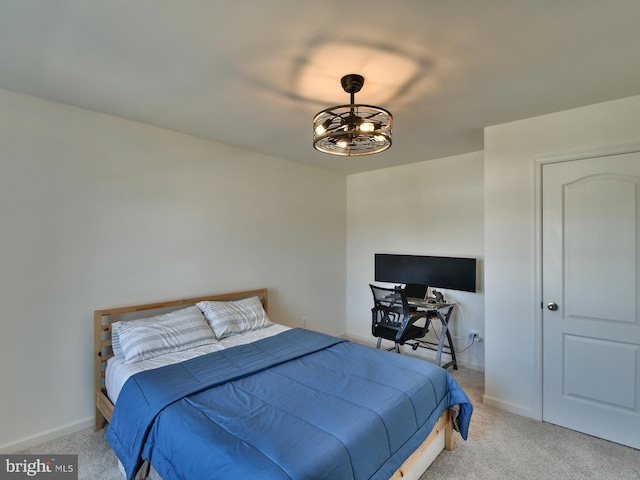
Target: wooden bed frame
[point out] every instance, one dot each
(441, 437)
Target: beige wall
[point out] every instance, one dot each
(97, 212)
(513, 151)
(428, 208)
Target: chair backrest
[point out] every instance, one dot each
(390, 305)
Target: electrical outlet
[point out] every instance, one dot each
(474, 335)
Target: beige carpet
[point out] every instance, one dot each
(500, 446)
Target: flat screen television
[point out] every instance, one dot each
(443, 272)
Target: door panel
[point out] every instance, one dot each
(591, 268)
(600, 241)
(587, 359)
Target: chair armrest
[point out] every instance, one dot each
(408, 322)
(414, 318)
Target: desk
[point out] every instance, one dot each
(442, 312)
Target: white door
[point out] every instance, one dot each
(591, 272)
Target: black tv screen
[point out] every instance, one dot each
(444, 272)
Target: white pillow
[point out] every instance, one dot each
(231, 318)
(172, 332)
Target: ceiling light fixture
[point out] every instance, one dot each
(352, 130)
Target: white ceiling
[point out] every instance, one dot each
(253, 73)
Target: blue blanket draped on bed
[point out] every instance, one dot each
(300, 404)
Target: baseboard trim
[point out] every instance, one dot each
(508, 407)
(46, 436)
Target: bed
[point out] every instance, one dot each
(249, 398)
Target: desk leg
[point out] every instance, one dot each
(446, 335)
(443, 335)
(454, 362)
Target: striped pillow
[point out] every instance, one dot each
(231, 318)
(172, 332)
(115, 342)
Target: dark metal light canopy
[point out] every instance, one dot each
(352, 130)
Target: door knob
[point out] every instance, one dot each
(552, 306)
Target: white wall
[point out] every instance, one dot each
(513, 368)
(98, 212)
(429, 208)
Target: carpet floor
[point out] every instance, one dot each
(501, 445)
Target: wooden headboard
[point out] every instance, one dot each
(103, 351)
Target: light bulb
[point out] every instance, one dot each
(322, 127)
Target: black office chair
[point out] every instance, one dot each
(392, 318)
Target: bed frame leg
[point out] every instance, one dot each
(448, 435)
(99, 420)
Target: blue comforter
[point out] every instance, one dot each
(298, 405)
